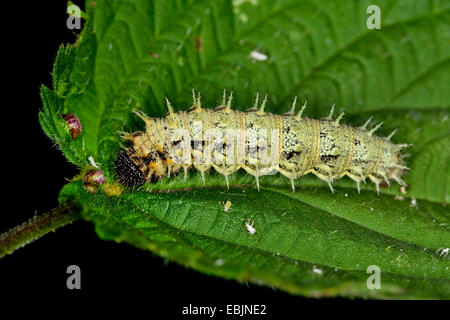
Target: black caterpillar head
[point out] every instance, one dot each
(127, 171)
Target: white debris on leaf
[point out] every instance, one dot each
(400, 198)
(249, 226)
(219, 262)
(237, 3)
(92, 162)
(413, 202)
(243, 18)
(258, 56)
(317, 270)
(443, 252)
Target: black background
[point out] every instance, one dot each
(33, 173)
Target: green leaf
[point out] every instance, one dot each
(131, 54)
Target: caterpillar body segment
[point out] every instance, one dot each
(259, 142)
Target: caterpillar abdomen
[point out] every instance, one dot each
(260, 142)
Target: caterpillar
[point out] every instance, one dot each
(260, 142)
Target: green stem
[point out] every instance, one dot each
(36, 227)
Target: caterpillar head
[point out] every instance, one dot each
(127, 171)
(133, 170)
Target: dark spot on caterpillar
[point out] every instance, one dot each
(191, 109)
(357, 142)
(146, 160)
(197, 144)
(220, 146)
(127, 171)
(323, 134)
(328, 157)
(135, 158)
(154, 179)
(152, 157)
(162, 156)
(137, 134)
(220, 108)
(292, 153)
(252, 151)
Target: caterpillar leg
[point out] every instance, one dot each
(400, 181)
(325, 178)
(327, 169)
(290, 175)
(228, 183)
(254, 172)
(357, 179)
(202, 173)
(377, 182)
(185, 168)
(386, 179)
(227, 170)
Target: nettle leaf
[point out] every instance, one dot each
(131, 54)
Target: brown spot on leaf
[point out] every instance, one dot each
(199, 43)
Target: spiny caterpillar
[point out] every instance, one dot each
(296, 145)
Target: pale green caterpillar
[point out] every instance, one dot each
(295, 144)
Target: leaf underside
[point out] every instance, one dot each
(131, 54)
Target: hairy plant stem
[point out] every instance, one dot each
(36, 227)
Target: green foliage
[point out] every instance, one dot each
(131, 54)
